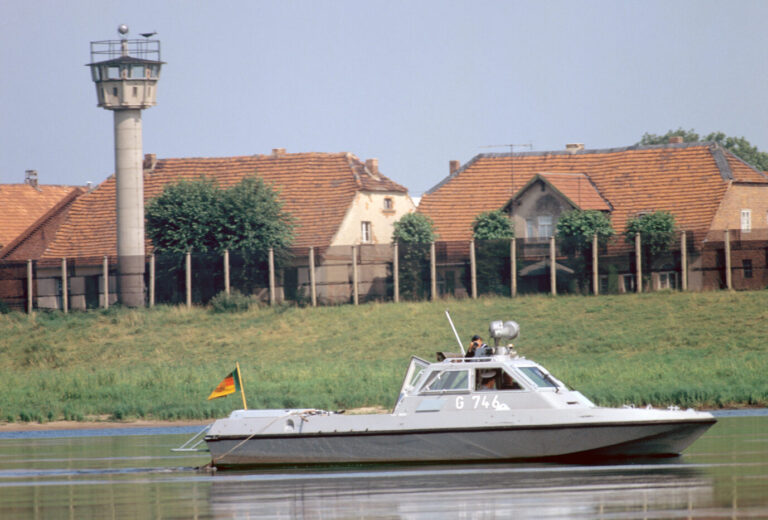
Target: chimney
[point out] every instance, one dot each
(277, 152)
(30, 177)
(453, 166)
(676, 139)
(150, 160)
(574, 147)
(89, 186)
(372, 165)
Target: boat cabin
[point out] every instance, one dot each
(504, 381)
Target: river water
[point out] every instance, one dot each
(132, 473)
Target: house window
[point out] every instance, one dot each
(545, 226)
(365, 229)
(667, 280)
(628, 283)
(389, 203)
(529, 228)
(746, 220)
(747, 265)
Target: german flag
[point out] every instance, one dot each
(229, 385)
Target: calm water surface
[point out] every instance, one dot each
(133, 474)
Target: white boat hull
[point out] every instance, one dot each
(492, 443)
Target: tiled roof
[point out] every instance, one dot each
(688, 180)
(21, 205)
(316, 189)
(576, 187)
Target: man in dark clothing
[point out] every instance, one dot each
(476, 343)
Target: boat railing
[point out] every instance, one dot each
(194, 442)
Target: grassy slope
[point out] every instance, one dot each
(697, 349)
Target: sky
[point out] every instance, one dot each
(412, 83)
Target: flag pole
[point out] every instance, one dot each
(240, 380)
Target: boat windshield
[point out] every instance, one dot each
(448, 380)
(538, 377)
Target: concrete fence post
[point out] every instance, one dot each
(472, 269)
(513, 267)
(30, 288)
(152, 280)
(432, 271)
(355, 293)
(638, 264)
(64, 288)
(188, 271)
(552, 266)
(271, 276)
(105, 275)
(312, 282)
(396, 272)
(728, 274)
(595, 271)
(227, 289)
(683, 261)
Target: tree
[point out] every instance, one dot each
(576, 229)
(493, 225)
(739, 146)
(575, 232)
(493, 230)
(657, 231)
(414, 228)
(199, 216)
(414, 231)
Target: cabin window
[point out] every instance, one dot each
(538, 377)
(449, 380)
(495, 379)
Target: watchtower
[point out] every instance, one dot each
(126, 73)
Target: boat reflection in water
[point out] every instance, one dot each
(491, 491)
(494, 406)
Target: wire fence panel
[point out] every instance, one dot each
(710, 260)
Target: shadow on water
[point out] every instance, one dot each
(724, 474)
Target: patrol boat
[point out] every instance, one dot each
(495, 406)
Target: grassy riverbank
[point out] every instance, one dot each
(698, 349)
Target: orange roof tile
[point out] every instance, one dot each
(688, 180)
(316, 189)
(21, 205)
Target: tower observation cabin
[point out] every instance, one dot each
(126, 72)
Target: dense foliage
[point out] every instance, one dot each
(199, 216)
(414, 232)
(657, 231)
(493, 225)
(576, 229)
(739, 146)
(414, 228)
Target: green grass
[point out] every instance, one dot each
(694, 349)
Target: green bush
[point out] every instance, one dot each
(233, 302)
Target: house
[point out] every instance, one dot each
(24, 210)
(706, 188)
(336, 200)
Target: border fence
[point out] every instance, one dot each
(355, 274)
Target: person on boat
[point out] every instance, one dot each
(487, 380)
(475, 345)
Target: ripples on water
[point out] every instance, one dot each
(131, 473)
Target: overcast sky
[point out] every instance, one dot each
(412, 83)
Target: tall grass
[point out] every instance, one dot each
(694, 349)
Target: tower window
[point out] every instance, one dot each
(135, 91)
